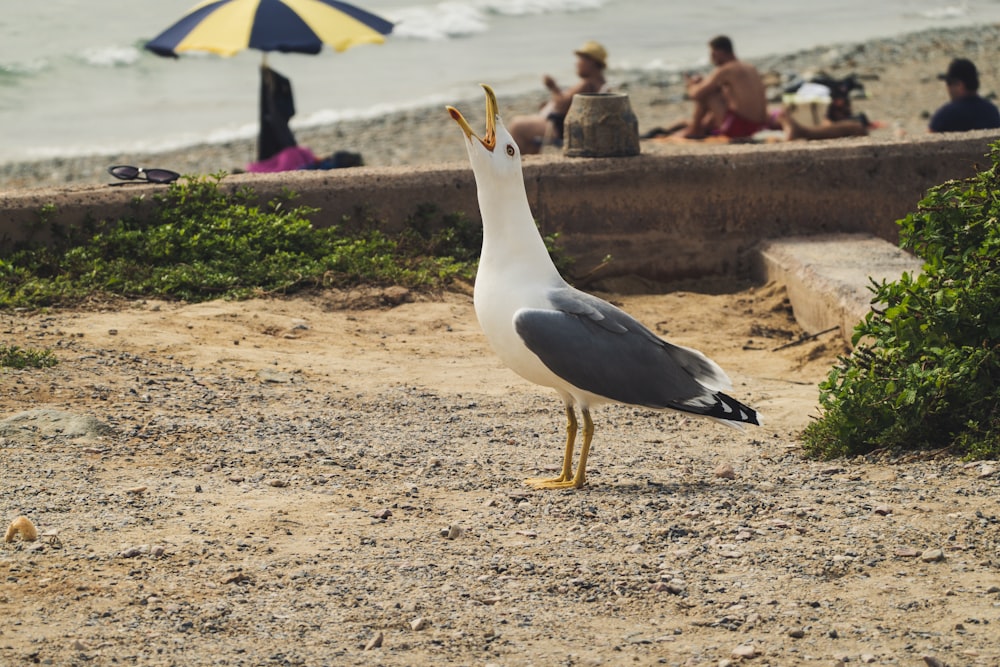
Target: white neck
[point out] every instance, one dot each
(510, 237)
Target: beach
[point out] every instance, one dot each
(899, 75)
(337, 478)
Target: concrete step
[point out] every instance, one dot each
(828, 276)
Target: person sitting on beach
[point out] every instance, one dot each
(730, 102)
(966, 110)
(840, 120)
(531, 132)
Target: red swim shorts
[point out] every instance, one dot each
(735, 126)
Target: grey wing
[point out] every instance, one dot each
(603, 350)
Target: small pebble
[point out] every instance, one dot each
(725, 471)
(671, 587)
(744, 652)
(418, 624)
(21, 527)
(932, 556)
(374, 642)
(452, 532)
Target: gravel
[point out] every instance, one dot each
(368, 506)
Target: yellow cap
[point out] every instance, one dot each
(595, 52)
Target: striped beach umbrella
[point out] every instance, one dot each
(226, 27)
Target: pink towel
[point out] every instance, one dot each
(287, 159)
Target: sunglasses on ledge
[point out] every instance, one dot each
(127, 173)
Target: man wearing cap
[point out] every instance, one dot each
(530, 132)
(966, 110)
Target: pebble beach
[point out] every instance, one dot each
(328, 480)
(899, 74)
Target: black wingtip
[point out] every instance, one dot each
(729, 409)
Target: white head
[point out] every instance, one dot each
(494, 156)
(510, 237)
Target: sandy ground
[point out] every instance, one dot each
(337, 479)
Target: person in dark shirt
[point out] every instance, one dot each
(966, 110)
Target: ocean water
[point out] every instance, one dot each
(74, 78)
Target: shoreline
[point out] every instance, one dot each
(899, 73)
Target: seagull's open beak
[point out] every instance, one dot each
(489, 140)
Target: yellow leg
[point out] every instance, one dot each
(578, 480)
(588, 434)
(567, 469)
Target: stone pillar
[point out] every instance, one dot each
(601, 125)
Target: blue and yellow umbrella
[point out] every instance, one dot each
(226, 27)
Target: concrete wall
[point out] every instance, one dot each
(672, 212)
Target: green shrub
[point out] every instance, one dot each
(12, 356)
(926, 372)
(198, 242)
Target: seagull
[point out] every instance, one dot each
(557, 336)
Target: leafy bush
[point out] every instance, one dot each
(926, 372)
(199, 243)
(12, 356)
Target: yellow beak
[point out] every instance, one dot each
(489, 140)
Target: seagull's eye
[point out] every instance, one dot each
(510, 150)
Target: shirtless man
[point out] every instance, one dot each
(529, 131)
(731, 101)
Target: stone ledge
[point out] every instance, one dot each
(674, 212)
(828, 276)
